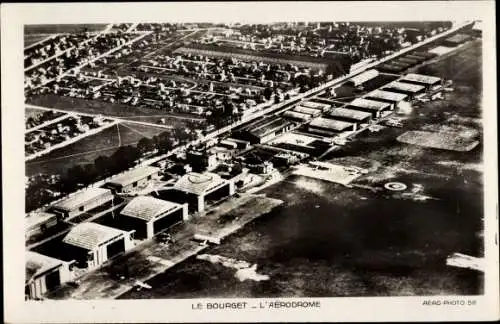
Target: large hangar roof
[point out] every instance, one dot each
(134, 175)
(37, 263)
(82, 198)
(421, 78)
(90, 235)
(198, 183)
(148, 208)
(330, 124)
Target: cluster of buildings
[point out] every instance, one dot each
(45, 137)
(73, 57)
(88, 245)
(405, 62)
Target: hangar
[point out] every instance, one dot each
(148, 216)
(330, 125)
(386, 96)
(198, 188)
(265, 129)
(314, 112)
(350, 115)
(93, 244)
(297, 116)
(359, 79)
(132, 179)
(315, 105)
(421, 79)
(38, 223)
(409, 89)
(82, 202)
(43, 274)
(372, 106)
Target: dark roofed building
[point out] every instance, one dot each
(350, 115)
(405, 88)
(265, 129)
(331, 125)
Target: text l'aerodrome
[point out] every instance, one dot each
(275, 304)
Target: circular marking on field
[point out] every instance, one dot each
(395, 186)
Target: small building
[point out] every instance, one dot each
(416, 58)
(148, 216)
(38, 223)
(350, 115)
(132, 179)
(82, 202)
(44, 274)
(93, 244)
(392, 98)
(313, 112)
(330, 125)
(421, 79)
(315, 105)
(198, 188)
(201, 160)
(408, 89)
(241, 144)
(391, 68)
(408, 60)
(298, 116)
(372, 106)
(361, 78)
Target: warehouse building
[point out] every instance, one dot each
(313, 112)
(298, 116)
(38, 223)
(132, 179)
(265, 129)
(408, 60)
(350, 115)
(197, 189)
(315, 105)
(408, 89)
(93, 244)
(456, 40)
(375, 108)
(44, 274)
(418, 59)
(391, 68)
(360, 79)
(421, 79)
(391, 98)
(148, 216)
(332, 127)
(82, 202)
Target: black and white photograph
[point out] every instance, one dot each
(252, 164)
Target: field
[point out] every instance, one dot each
(101, 108)
(33, 38)
(442, 140)
(88, 149)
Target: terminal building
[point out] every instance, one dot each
(409, 89)
(82, 202)
(329, 127)
(360, 79)
(265, 129)
(199, 188)
(420, 79)
(392, 98)
(92, 244)
(132, 179)
(148, 215)
(44, 274)
(375, 108)
(350, 115)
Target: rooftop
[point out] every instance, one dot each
(421, 78)
(267, 128)
(81, 198)
(37, 263)
(148, 208)
(349, 113)
(307, 110)
(330, 124)
(198, 183)
(90, 235)
(458, 38)
(407, 87)
(297, 115)
(312, 104)
(134, 175)
(365, 76)
(36, 219)
(386, 95)
(368, 104)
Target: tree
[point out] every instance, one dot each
(145, 145)
(102, 165)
